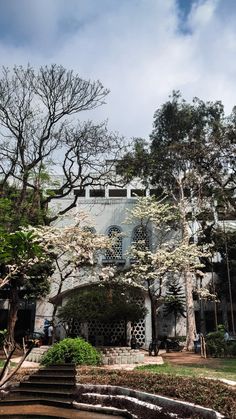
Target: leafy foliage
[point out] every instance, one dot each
(24, 268)
(76, 351)
(221, 239)
(22, 259)
(107, 303)
(191, 159)
(219, 347)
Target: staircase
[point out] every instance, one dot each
(36, 354)
(53, 385)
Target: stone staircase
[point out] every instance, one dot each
(53, 385)
(121, 355)
(110, 355)
(36, 354)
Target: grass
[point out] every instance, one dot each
(2, 362)
(221, 368)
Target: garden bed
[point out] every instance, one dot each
(212, 394)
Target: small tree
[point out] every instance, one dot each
(109, 302)
(24, 268)
(175, 301)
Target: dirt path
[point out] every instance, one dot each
(187, 358)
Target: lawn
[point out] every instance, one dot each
(221, 368)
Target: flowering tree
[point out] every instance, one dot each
(71, 248)
(171, 256)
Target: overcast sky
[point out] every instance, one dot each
(140, 49)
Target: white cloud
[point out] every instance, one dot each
(202, 13)
(140, 49)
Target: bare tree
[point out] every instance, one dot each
(39, 132)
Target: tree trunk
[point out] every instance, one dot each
(154, 319)
(190, 314)
(224, 306)
(202, 317)
(12, 315)
(21, 200)
(55, 305)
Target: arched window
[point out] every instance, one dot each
(141, 238)
(115, 253)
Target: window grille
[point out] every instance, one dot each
(115, 193)
(116, 250)
(97, 193)
(141, 238)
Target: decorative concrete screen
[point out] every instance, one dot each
(139, 332)
(75, 328)
(106, 333)
(101, 334)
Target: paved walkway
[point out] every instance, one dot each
(179, 358)
(154, 360)
(26, 364)
(147, 360)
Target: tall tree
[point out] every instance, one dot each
(40, 134)
(191, 158)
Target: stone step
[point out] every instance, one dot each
(57, 378)
(65, 365)
(29, 400)
(42, 392)
(58, 370)
(110, 359)
(59, 367)
(36, 354)
(47, 384)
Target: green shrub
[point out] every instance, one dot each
(215, 344)
(76, 351)
(231, 348)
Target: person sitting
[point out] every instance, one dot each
(226, 335)
(50, 332)
(133, 342)
(196, 342)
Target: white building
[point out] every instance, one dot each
(108, 209)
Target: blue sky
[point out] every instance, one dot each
(140, 49)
